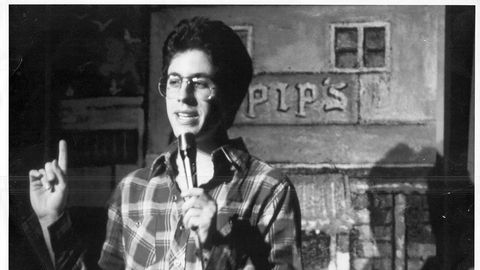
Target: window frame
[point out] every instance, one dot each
(360, 26)
(249, 29)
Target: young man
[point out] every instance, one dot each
(243, 215)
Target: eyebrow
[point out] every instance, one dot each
(199, 74)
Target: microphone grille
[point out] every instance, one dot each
(186, 141)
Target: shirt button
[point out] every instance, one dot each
(181, 227)
(174, 197)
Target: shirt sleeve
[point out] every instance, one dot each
(67, 246)
(113, 250)
(281, 219)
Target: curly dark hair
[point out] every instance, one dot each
(230, 59)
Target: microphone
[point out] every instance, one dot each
(187, 147)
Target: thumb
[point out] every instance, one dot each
(62, 156)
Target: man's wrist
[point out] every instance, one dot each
(45, 223)
(47, 220)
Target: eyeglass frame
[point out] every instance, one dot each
(188, 80)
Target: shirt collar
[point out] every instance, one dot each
(234, 154)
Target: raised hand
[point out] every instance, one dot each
(48, 187)
(199, 212)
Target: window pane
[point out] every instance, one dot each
(374, 38)
(346, 59)
(374, 58)
(345, 38)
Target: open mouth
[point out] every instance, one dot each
(187, 116)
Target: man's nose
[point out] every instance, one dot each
(186, 90)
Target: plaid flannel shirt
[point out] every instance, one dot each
(257, 221)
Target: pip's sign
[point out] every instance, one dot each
(300, 99)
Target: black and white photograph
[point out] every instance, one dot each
(195, 137)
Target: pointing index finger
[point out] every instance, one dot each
(62, 155)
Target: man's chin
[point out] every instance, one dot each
(180, 131)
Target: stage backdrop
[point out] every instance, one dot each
(348, 101)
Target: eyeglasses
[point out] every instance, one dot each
(171, 86)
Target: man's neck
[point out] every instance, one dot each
(205, 167)
(207, 143)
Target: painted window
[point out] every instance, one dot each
(360, 47)
(245, 34)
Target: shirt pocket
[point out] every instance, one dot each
(139, 241)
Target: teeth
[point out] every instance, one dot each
(186, 115)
